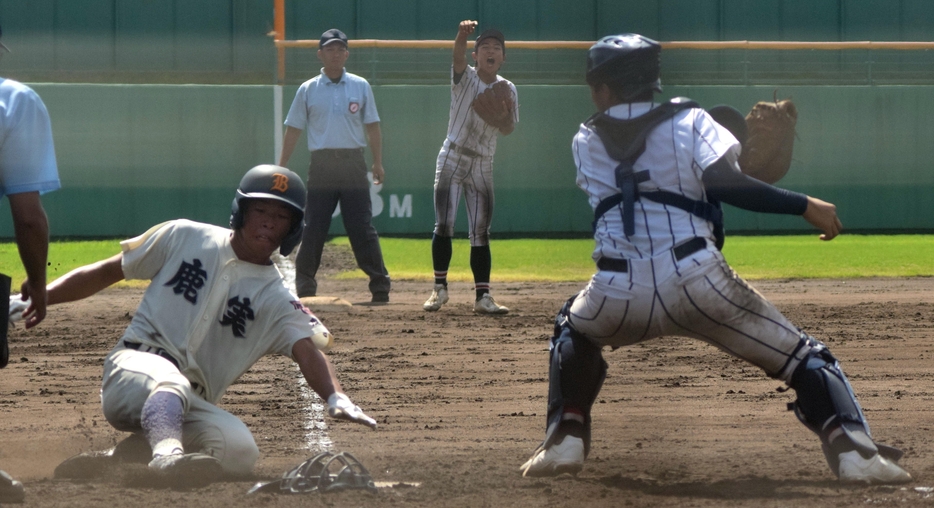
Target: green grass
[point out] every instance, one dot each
(753, 257)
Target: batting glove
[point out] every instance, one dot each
(17, 307)
(340, 407)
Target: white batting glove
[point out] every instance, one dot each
(17, 307)
(340, 406)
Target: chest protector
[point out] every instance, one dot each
(624, 141)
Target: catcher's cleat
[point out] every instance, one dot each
(187, 471)
(439, 297)
(876, 470)
(11, 491)
(486, 305)
(565, 456)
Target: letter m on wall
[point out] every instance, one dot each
(397, 209)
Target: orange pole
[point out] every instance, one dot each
(279, 27)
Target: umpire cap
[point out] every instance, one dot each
(628, 61)
(268, 181)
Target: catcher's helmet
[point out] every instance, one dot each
(629, 63)
(267, 181)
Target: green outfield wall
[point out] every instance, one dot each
(132, 156)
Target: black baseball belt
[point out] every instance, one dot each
(682, 251)
(158, 351)
(462, 150)
(337, 153)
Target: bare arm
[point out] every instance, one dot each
(289, 140)
(319, 373)
(375, 137)
(31, 226)
(465, 28)
(87, 280)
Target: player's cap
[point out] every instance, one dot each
(332, 35)
(491, 33)
(2, 45)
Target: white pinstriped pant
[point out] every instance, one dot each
(699, 296)
(473, 176)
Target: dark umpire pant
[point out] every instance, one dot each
(339, 176)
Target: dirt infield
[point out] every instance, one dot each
(460, 400)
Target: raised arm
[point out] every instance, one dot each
(465, 28)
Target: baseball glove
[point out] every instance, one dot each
(496, 105)
(767, 152)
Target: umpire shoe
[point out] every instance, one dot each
(439, 297)
(486, 305)
(187, 471)
(565, 456)
(876, 470)
(11, 491)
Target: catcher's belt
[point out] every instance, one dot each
(682, 251)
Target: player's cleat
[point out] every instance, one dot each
(565, 456)
(876, 470)
(11, 491)
(187, 471)
(439, 297)
(380, 297)
(486, 305)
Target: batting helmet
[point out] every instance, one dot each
(628, 63)
(267, 181)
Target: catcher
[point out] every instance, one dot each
(215, 305)
(483, 105)
(650, 171)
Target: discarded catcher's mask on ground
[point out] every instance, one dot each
(325, 472)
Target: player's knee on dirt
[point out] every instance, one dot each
(576, 374)
(827, 405)
(233, 446)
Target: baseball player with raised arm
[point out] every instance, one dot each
(654, 174)
(465, 163)
(215, 305)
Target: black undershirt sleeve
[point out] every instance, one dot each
(742, 191)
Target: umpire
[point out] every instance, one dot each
(338, 112)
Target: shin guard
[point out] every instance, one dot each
(576, 374)
(827, 405)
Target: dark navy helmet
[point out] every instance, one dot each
(627, 62)
(732, 119)
(268, 181)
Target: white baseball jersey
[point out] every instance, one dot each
(27, 153)
(695, 294)
(676, 154)
(213, 313)
(465, 128)
(468, 168)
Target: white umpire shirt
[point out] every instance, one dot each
(676, 154)
(215, 314)
(27, 153)
(465, 127)
(333, 114)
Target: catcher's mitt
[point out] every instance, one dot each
(496, 105)
(325, 472)
(767, 152)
